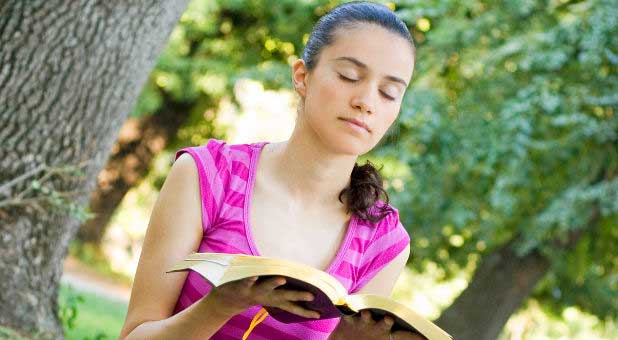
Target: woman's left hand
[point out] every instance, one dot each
(364, 327)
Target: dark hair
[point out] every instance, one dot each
(365, 187)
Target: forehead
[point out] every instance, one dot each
(384, 52)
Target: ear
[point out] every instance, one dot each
(299, 77)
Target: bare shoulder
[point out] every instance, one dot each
(185, 159)
(393, 235)
(174, 231)
(384, 282)
(185, 165)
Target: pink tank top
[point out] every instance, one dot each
(226, 175)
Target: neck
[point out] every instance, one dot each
(312, 174)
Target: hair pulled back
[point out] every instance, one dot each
(365, 187)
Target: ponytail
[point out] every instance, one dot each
(364, 191)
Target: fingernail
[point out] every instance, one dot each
(309, 298)
(316, 315)
(389, 321)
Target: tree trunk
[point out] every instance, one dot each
(140, 140)
(499, 286)
(502, 282)
(70, 72)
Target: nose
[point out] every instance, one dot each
(364, 100)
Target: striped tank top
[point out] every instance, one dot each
(226, 176)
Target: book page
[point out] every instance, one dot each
(405, 317)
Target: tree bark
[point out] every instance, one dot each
(502, 282)
(140, 140)
(70, 72)
(499, 286)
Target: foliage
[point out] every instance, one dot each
(93, 317)
(219, 42)
(510, 131)
(7, 333)
(68, 308)
(38, 189)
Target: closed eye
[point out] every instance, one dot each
(387, 96)
(341, 76)
(344, 78)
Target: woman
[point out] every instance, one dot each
(304, 199)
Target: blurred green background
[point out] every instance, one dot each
(507, 140)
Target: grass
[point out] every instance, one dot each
(89, 316)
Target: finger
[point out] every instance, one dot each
(348, 318)
(386, 323)
(404, 335)
(295, 295)
(298, 310)
(248, 282)
(366, 316)
(270, 284)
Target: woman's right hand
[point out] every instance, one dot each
(362, 326)
(235, 297)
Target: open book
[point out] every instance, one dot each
(331, 298)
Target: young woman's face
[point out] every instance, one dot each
(361, 76)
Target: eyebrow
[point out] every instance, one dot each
(364, 66)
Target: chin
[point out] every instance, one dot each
(348, 145)
(342, 140)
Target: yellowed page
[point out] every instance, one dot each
(431, 331)
(219, 268)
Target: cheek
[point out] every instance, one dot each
(389, 118)
(328, 90)
(322, 96)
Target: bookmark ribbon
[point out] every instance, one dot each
(259, 317)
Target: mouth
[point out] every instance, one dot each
(357, 123)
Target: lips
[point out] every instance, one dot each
(357, 122)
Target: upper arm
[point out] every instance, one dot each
(174, 231)
(384, 257)
(385, 279)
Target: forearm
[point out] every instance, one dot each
(199, 321)
(336, 333)
(334, 336)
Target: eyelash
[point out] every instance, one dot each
(353, 80)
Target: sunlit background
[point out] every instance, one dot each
(487, 116)
(269, 115)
